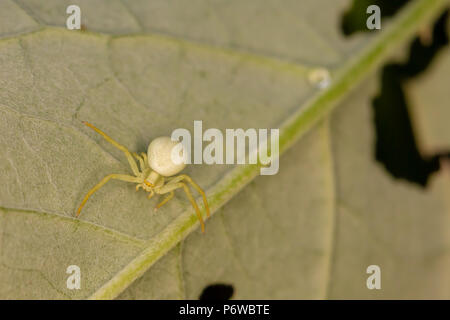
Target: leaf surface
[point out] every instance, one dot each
(138, 78)
(312, 231)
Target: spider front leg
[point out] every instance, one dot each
(122, 177)
(143, 162)
(127, 153)
(171, 186)
(140, 159)
(144, 156)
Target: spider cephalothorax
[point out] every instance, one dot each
(155, 174)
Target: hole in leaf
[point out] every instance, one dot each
(396, 145)
(354, 20)
(217, 292)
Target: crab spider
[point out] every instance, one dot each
(155, 173)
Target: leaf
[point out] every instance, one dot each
(311, 231)
(380, 220)
(136, 78)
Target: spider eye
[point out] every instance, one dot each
(160, 157)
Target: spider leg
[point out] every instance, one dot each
(141, 161)
(130, 159)
(176, 185)
(166, 199)
(196, 186)
(122, 177)
(144, 156)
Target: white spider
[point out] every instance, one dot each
(155, 175)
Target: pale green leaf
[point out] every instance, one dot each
(311, 232)
(141, 70)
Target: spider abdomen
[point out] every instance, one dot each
(160, 159)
